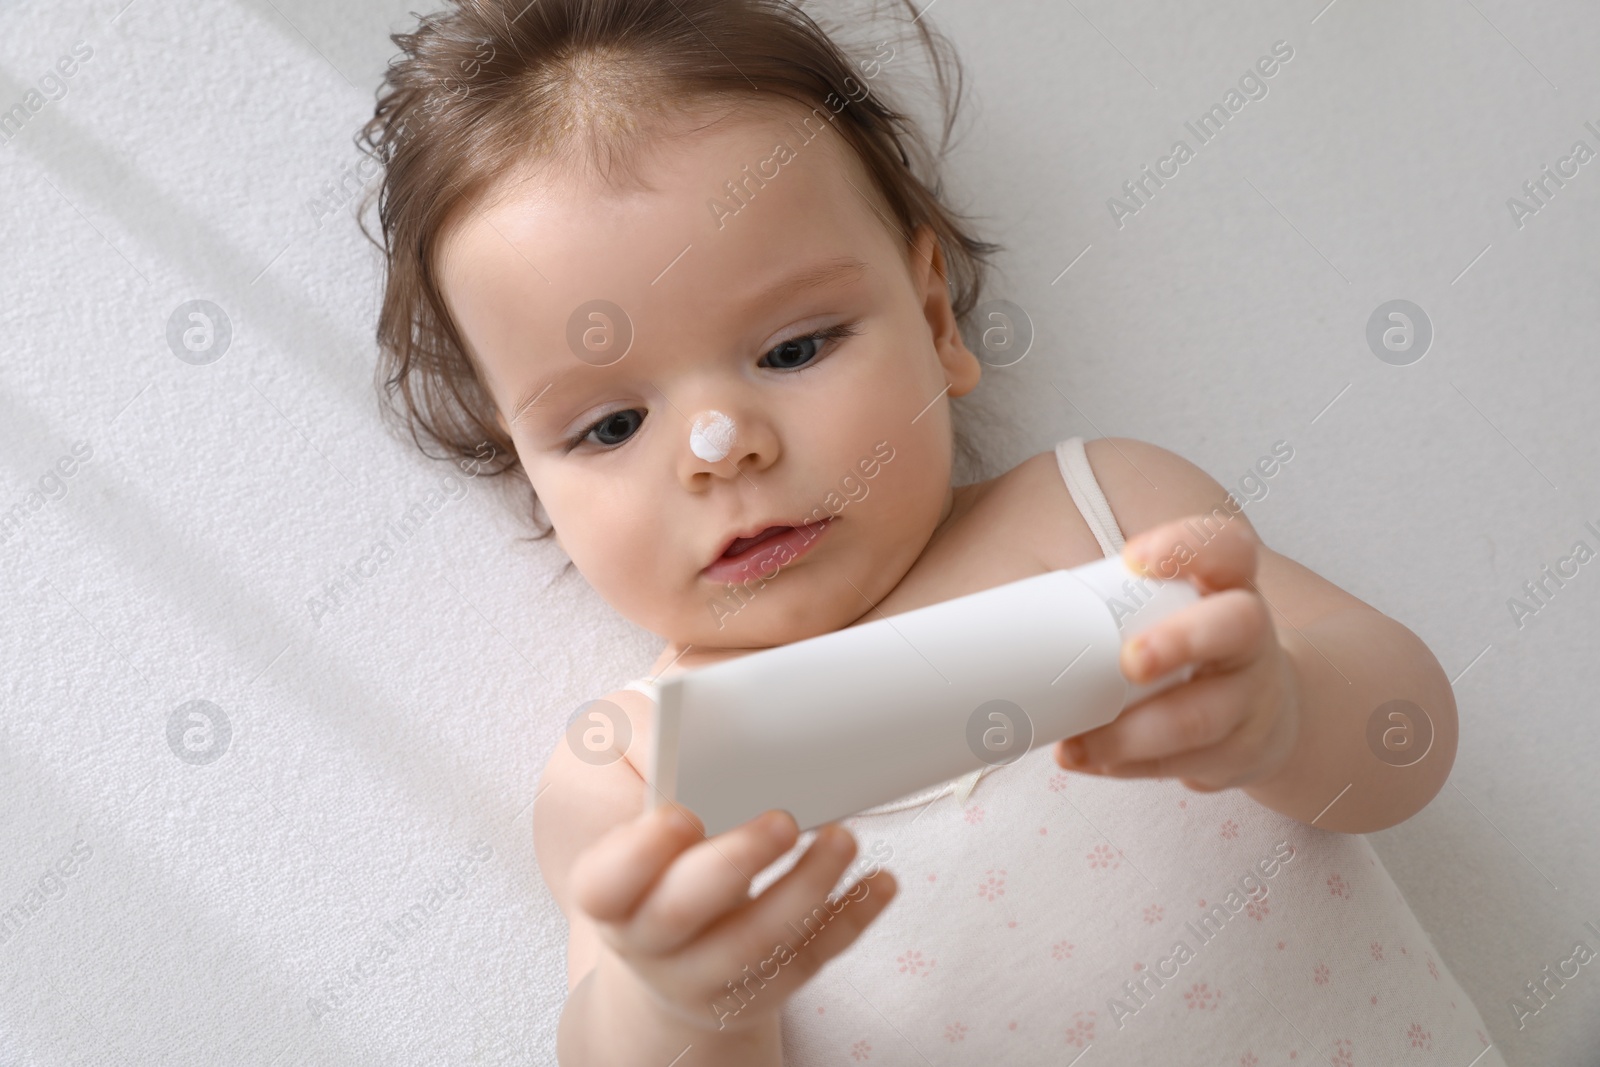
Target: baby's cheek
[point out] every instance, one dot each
(854, 488)
(639, 572)
(617, 561)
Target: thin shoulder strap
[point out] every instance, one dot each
(1079, 476)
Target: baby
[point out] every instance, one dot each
(673, 258)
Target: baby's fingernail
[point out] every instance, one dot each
(1134, 556)
(684, 818)
(1143, 657)
(833, 837)
(776, 825)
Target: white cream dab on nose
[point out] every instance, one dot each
(711, 436)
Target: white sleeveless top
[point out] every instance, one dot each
(1042, 912)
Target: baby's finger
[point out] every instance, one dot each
(1226, 560)
(1192, 716)
(1224, 631)
(832, 925)
(1205, 770)
(795, 908)
(756, 967)
(609, 877)
(707, 881)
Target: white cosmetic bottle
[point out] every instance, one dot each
(844, 721)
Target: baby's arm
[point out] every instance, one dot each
(1322, 664)
(608, 1018)
(661, 921)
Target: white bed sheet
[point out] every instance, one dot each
(382, 754)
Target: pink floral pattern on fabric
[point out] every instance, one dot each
(1050, 893)
(1081, 1032)
(1102, 856)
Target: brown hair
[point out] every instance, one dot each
(492, 84)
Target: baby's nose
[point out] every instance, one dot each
(711, 435)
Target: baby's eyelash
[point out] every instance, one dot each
(578, 438)
(844, 329)
(832, 333)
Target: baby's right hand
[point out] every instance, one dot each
(675, 907)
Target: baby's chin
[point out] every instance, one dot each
(791, 607)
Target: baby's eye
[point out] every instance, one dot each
(613, 429)
(793, 354)
(798, 351)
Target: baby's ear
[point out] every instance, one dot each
(961, 368)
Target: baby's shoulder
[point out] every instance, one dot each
(1147, 485)
(621, 726)
(1144, 485)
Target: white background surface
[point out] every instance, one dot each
(374, 748)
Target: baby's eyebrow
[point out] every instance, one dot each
(819, 275)
(829, 272)
(526, 401)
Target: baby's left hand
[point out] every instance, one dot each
(1236, 721)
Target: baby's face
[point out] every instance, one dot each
(725, 337)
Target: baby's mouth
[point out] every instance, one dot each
(741, 543)
(747, 556)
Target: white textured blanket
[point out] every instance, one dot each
(276, 690)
